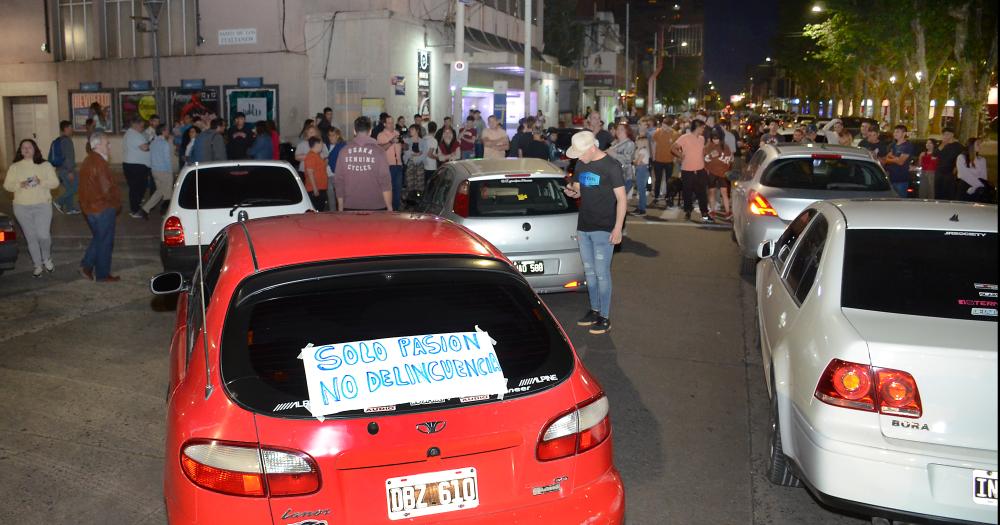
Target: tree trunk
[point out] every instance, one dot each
(974, 73)
(896, 106)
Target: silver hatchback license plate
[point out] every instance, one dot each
(530, 267)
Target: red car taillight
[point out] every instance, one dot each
(862, 387)
(173, 231)
(759, 205)
(247, 470)
(8, 235)
(578, 431)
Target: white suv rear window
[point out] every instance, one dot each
(225, 187)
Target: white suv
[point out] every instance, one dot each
(225, 192)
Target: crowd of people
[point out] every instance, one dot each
(665, 161)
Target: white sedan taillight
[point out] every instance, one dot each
(247, 470)
(578, 431)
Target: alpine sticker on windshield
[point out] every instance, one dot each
(985, 286)
(382, 373)
(986, 312)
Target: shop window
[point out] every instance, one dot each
(76, 27)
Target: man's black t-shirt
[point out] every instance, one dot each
(598, 203)
(881, 149)
(535, 149)
(947, 158)
(604, 139)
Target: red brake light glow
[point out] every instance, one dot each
(759, 205)
(577, 431)
(827, 156)
(871, 389)
(173, 231)
(517, 175)
(243, 469)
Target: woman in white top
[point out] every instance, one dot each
(303, 148)
(971, 170)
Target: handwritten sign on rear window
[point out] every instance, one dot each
(384, 372)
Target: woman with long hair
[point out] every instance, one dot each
(31, 179)
(187, 143)
(623, 149)
(413, 159)
(449, 147)
(971, 170)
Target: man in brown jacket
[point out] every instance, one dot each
(100, 201)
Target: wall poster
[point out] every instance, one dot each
(257, 104)
(97, 105)
(203, 102)
(140, 104)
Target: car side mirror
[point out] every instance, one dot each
(168, 283)
(765, 249)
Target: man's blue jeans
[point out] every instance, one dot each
(98, 254)
(65, 201)
(596, 250)
(901, 188)
(396, 174)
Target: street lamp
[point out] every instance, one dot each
(768, 59)
(685, 44)
(892, 79)
(817, 8)
(919, 75)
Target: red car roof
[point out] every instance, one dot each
(309, 237)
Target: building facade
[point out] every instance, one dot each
(283, 60)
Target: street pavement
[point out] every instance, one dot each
(83, 371)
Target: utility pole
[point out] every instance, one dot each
(628, 21)
(527, 58)
(456, 96)
(153, 6)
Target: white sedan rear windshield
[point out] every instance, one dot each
(950, 274)
(509, 197)
(225, 187)
(827, 173)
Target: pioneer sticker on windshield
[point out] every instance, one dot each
(985, 312)
(380, 373)
(985, 286)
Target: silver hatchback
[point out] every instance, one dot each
(519, 206)
(781, 180)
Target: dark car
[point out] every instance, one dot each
(8, 243)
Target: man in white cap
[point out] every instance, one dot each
(599, 183)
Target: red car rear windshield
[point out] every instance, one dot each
(920, 272)
(513, 197)
(282, 311)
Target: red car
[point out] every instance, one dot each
(243, 446)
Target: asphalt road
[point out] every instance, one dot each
(83, 373)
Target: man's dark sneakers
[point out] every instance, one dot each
(589, 319)
(601, 326)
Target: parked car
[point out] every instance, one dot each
(878, 333)
(519, 206)
(243, 446)
(225, 192)
(781, 180)
(8, 243)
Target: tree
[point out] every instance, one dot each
(563, 32)
(975, 59)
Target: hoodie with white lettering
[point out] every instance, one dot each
(362, 179)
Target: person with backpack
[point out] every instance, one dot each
(62, 156)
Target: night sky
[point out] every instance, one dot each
(737, 34)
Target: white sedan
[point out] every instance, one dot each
(878, 329)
